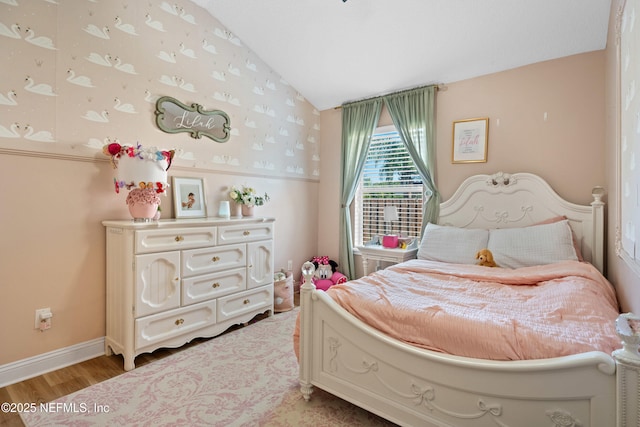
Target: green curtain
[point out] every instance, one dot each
(413, 114)
(359, 121)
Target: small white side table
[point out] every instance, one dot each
(380, 253)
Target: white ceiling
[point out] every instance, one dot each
(333, 51)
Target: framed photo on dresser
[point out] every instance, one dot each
(188, 198)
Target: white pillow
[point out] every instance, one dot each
(533, 245)
(452, 244)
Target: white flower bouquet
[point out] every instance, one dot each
(247, 196)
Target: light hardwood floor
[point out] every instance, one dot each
(52, 385)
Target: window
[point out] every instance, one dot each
(390, 178)
(629, 144)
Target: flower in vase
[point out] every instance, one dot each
(247, 196)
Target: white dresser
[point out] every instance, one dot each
(174, 280)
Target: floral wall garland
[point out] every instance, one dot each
(152, 154)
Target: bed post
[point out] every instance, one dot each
(597, 245)
(628, 372)
(306, 312)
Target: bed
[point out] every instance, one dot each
(418, 384)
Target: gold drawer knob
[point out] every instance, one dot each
(215, 285)
(246, 233)
(179, 238)
(179, 322)
(245, 302)
(215, 259)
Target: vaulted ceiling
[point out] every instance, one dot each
(335, 51)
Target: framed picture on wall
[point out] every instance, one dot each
(188, 198)
(470, 140)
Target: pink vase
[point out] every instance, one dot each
(143, 211)
(247, 210)
(143, 204)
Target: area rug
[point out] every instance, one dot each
(247, 377)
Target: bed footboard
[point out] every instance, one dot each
(411, 386)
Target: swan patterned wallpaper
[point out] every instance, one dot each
(80, 73)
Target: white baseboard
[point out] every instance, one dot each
(21, 370)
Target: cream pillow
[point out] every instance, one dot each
(452, 244)
(533, 245)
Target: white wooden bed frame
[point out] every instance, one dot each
(415, 387)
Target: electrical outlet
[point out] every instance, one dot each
(289, 265)
(43, 319)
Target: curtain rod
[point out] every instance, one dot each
(440, 87)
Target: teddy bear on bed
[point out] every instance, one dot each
(485, 258)
(326, 274)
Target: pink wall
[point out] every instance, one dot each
(52, 246)
(567, 148)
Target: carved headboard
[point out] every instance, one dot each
(506, 200)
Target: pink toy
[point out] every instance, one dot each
(338, 278)
(326, 275)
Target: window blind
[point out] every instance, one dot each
(389, 178)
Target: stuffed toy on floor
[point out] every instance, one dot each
(326, 274)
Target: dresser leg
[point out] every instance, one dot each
(129, 363)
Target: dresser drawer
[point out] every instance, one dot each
(164, 326)
(245, 233)
(210, 260)
(244, 302)
(214, 285)
(174, 239)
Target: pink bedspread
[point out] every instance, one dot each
(488, 313)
